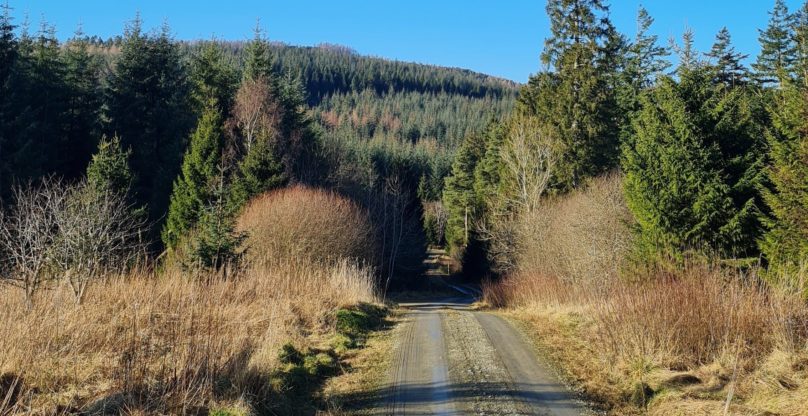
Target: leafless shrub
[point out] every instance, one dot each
(28, 231)
(305, 222)
(585, 235)
(98, 234)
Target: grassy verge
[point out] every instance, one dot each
(624, 363)
(355, 391)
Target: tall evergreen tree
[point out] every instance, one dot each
(41, 102)
(725, 61)
(688, 56)
(678, 200)
(213, 78)
(777, 57)
(147, 107)
(575, 98)
(259, 61)
(786, 243)
(200, 169)
(8, 58)
(693, 166)
(801, 43)
(459, 195)
(83, 83)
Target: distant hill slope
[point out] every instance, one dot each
(356, 96)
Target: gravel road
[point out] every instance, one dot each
(452, 360)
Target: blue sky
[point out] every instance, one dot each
(502, 38)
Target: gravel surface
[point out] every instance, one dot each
(452, 360)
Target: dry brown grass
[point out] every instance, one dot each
(744, 343)
(166, 343)
(315, 223)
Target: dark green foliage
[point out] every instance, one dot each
(148, 108)
(786, 243)
(459, 195)
(109, 167)
(575, 100)
(216, 245)
(258, 172)
(692, 168)
(8, 58)
(194, 188)
(213, 78)
(778, 52)
(83, 84)
(725, 61)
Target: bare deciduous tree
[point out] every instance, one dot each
(256, 111)
(528, 157)
(27, 234)
(97, 235)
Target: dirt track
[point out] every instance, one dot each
(451, 360)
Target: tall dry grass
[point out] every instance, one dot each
(165, 343)
(612, 328)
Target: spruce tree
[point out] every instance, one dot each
(688, 56)
(147, 107)
(259, 61)
(645, 58)
(778, 53)
(40, 98)
(459, 195)
(725, 61)
(83, 83)
(213, 78)
(677, 198)
(258, 172)
(8, 58)
(786, 243)
(575, 99)
(109, 167)
(192, 189)
(801, 43)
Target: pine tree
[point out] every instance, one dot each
(676, 197)
(777, 57)
(575, 99)
(147, 107)
(786, 243)
(109, 167)
(83, 83)
(459, 196)
(213, 78)
(192, 189)
(725, 61)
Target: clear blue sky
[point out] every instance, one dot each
(502, 38)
